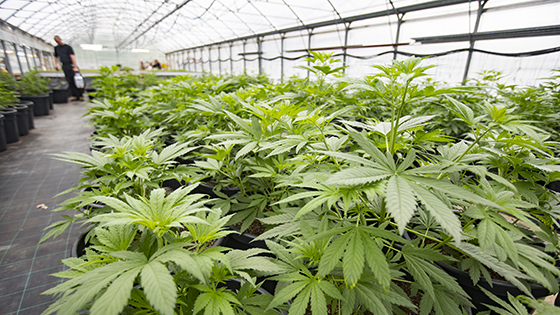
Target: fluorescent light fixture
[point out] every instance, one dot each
(91, 47)
(138, 50)
(21, 54)
(9, 51)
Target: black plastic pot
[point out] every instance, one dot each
(499, 288)
(245, 241)
(91, 94)
(22, 119)
(3, 143)
(41, 102)
(30, 106)
(242, 241)
(235, 284)
(204, 188)
(173, 184)
(95, 148)
(60, 95)
(554, 186)
(51, 100)
(79, 246)
(10, 124)
(180, 160)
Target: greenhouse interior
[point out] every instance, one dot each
(260, 157)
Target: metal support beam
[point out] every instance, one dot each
(399, 23)
(282, 57)
(6, 60)
(259, 51)
(403, 10)
(349, 47)
(17, 57)
(177, 7)
(26, 58)
(210, 58)
(220, 59)
(33, 52)
(479, 12)
(309, 48)
(345, 49)
(231, 58)
(550, 30)
(244, 58)
(40, 57)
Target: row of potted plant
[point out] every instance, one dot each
(20, 101)
(392, 194)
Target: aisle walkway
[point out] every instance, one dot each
(29, 177)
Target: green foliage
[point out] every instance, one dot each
(33, 84)
(8, 82)
(131, 165)
(112, 83)
(146, 264)
(322, 65)
(7, 97)
(360, 187)
(119, 117)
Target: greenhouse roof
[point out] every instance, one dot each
(176, 24)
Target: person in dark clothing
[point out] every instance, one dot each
(156, 65)
(65, 54)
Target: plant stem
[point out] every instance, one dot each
(395, 120)
(476, 141)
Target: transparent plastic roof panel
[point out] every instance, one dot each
(219, 34)
(177, 24)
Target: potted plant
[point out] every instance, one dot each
(119, 117)
(132, 165)
(34, 87)
(8, 99)
(153, 254)
(3, 142)
(60, 91)
(365, 198)
(397, 179)
(24, 108)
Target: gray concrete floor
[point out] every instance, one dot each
(29, 176)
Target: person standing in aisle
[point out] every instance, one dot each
(65, 54)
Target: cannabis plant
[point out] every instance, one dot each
(321, 92)
(112, 83)
(8, 82)
(33, 84)
(119, 117)
(7, 97)
(153, 255)
(131, 165)
(267, 143)
(520, 305)
(397, 179)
